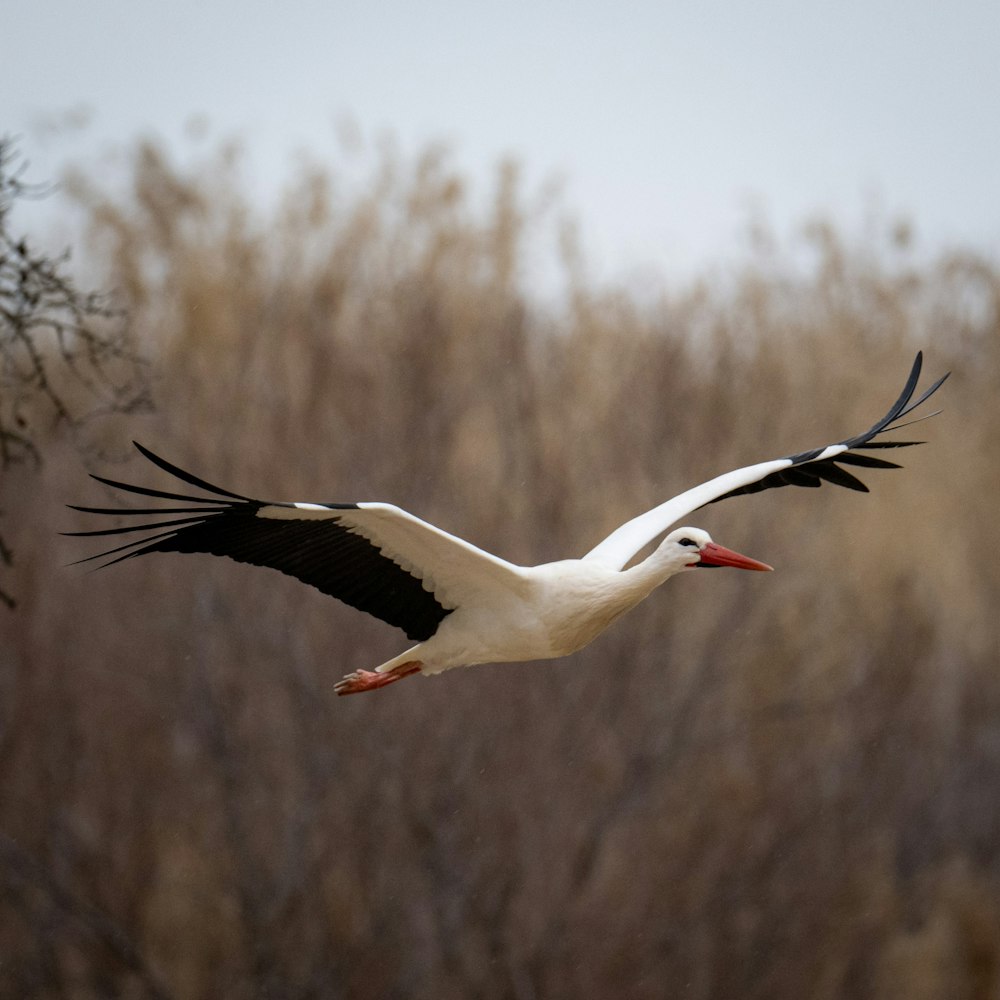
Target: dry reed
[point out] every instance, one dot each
(756, 788)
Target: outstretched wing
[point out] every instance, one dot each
(373, 556)
(808, 468)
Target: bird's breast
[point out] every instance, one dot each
(564, 607)
(578, 601)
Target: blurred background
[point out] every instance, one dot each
(526, 272)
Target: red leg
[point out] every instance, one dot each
(368, 680)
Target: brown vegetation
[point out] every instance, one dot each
(777, 786)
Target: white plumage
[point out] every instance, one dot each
(462, 604)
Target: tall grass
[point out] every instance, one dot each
(759, 788)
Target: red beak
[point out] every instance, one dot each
(717, 555)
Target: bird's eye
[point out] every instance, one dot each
(688, 541)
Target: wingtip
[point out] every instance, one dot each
(146, 453)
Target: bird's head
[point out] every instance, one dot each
(693, 548)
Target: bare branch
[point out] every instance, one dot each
(65, 355)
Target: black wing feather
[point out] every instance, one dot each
(809, 471)
(320, 552)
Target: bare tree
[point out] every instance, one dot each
(65, 354)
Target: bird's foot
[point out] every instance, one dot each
(369, 680)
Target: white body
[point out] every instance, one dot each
(534, 613)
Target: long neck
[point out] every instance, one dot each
(661, 564)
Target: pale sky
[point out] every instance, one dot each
(666, 119)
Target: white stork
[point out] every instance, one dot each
(464, 605)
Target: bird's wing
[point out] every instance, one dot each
(373, 556)
(808, 468)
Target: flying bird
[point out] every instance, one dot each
(462, 604)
